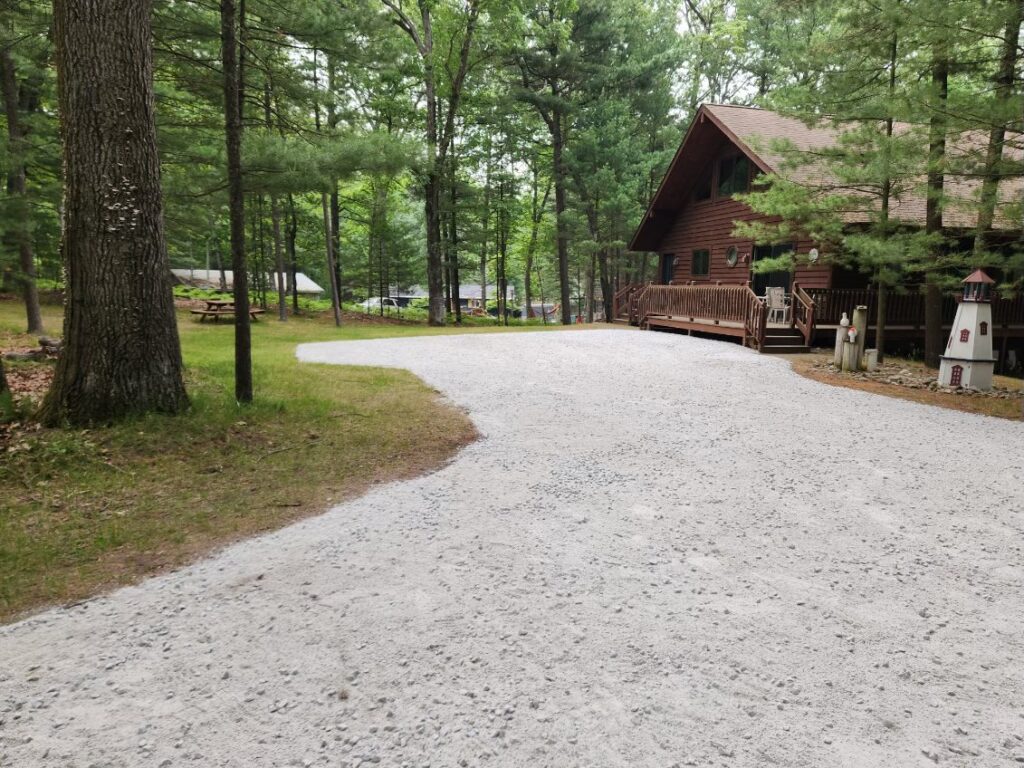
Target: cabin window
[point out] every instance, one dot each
(983, 331)
(703, 189)
(965, 335)
(733, 175)
(701, 263)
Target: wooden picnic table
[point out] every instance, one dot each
(218, 308)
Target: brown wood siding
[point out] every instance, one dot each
(708, 225)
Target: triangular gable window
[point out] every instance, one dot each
(733, 175)
(703, 189)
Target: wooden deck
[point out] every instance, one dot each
(735, 311)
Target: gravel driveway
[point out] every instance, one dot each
(664, 551)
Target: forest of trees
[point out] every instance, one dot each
(379, 143)
(403, 143)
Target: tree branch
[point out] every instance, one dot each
(404, 23)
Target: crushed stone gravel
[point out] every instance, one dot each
(664, 551)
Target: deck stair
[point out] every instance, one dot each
(783, 341)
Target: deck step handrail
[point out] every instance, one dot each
(620, 300)
(635, 300)
(756, 324)
(803, 307)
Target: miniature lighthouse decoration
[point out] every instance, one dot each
(968, 361)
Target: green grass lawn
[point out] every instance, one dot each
(86, 510)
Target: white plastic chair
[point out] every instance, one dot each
(775, 301)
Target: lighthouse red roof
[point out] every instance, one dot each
(979, 276)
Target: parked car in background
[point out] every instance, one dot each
(377, 302)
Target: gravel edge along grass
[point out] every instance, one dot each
(85, 511)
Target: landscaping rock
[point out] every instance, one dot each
(919, 379)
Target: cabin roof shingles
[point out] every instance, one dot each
(787, 146)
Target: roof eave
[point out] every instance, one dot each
(636, 242)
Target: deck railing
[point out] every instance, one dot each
(904, 309)
(1008, 311)
(712, 304)
(803, 312)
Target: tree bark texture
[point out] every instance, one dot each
(229, 19)
(121, 350)
(16, 189)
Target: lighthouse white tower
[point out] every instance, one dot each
(968, 361)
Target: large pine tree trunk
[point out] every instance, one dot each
(19, 221)
(121, 352)
(229, 17)
(933, 340)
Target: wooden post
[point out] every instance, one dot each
(860, 322)
(844, 326)
(849, 355)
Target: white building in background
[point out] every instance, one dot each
(968, 361)
(210, 279)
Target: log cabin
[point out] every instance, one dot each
(706, 282)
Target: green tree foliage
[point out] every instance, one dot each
(519, 142)
(921, 101)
